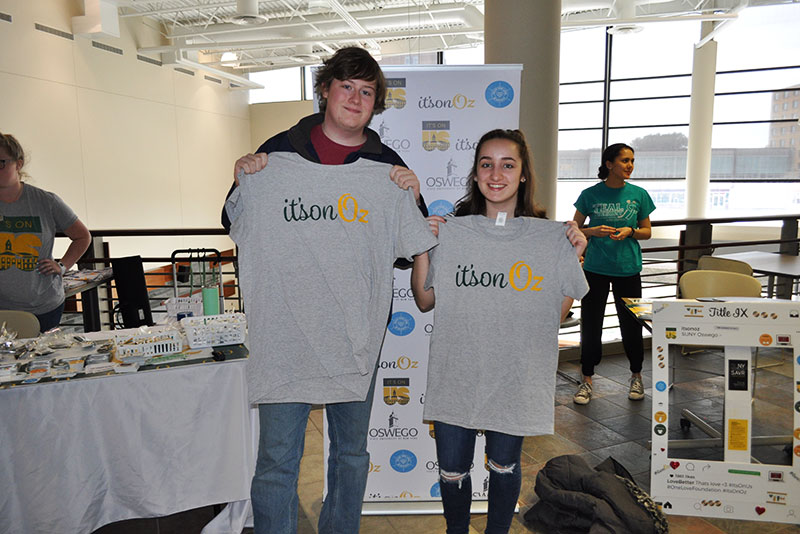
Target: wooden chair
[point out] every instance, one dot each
(25, 324)
(724, 264)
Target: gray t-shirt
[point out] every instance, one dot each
(27, 230)
(317, 245)
(494, 349)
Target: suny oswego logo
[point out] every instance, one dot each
(346, 208)
(520, 277)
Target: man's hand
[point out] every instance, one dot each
(249, 164)
(405, 179)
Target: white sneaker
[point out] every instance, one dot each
(636, 392)
(584, 394)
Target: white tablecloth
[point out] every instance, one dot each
(77, 455)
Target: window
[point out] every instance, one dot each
(669, 50)
(580, 116)
(582, 55)
(280, 85)
(649, 109)
(309, 79)
(427, 58)
(464, 56)
(719, 199)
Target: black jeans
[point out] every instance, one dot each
(593, 309)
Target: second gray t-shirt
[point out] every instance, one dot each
(494, 349)
(317, 245)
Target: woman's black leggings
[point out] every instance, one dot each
(593, 309)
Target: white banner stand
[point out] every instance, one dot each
(734, 488)
(434, 117)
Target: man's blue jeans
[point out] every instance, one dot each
(280, 448)
(455, 448)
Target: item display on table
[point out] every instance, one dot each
(210, 330)
(59, 355)
(180, 307)
(136, 348)
(75, 278)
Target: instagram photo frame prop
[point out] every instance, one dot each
(736, 487)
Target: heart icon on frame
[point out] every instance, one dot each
(673, 464)
(760, 510)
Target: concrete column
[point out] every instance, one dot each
(529, 32)
(701, 116)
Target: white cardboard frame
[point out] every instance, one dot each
(733, 488)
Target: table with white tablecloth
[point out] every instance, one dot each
(78, 454)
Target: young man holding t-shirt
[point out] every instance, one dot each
(322, 312)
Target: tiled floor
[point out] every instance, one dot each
(610, 425)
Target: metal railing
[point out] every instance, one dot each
(664, 260)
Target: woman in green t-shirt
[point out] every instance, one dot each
(619, 217)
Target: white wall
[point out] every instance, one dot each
(125, 143)
(271, 118)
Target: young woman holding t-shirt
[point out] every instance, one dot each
(619, 217)
(503, 278)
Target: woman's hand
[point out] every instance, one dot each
(622, 233)
(47, 266)
(601, 231)
(576, 238)
(405, 180)
(249, 164)
(433, 222)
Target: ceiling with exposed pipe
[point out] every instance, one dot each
(263, 35)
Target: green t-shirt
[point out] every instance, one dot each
(604, 205)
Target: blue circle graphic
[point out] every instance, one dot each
(661, 385)
(402, 324)
(436, 491)
(440, 207)
(499, 94)
(403, 461)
